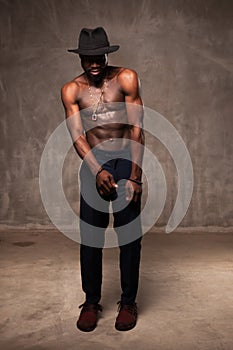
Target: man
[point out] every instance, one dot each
(104, 115)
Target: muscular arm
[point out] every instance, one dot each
(134, 106)
(69, 94)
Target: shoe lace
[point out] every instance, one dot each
(132, 308)
(88, 306)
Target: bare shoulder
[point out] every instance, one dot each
(128, 74)
(128, 80)
(72, 89)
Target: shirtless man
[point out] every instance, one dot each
(104, 114)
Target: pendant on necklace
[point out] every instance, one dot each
(94, 116)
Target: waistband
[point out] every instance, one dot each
(125, 152)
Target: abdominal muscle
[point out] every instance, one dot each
(109, 132)
(108, 139)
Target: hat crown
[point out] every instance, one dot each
(94, 42)
(91, 39)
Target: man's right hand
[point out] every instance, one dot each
(105, 183)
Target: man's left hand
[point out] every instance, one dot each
(133, 191)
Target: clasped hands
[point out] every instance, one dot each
(106, 185)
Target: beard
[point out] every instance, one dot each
(97, 77)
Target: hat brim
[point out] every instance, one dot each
(100, 51)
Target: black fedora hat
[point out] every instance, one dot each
(94, 42)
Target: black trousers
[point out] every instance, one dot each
(94, 215)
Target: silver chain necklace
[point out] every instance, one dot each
(94, 115)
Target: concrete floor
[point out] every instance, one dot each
(185, 298)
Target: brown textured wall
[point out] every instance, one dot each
(182, 51)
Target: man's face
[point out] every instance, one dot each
(94, 66)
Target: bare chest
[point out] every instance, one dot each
(100, 106)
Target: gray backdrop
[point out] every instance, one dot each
(182, 51)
